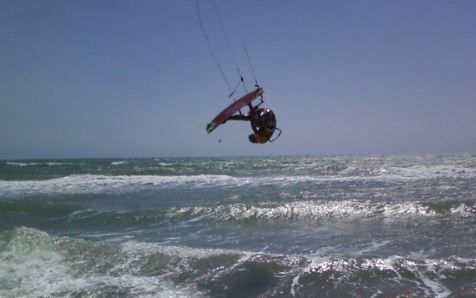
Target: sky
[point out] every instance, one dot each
(81, 79)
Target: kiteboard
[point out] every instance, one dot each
(233, 108)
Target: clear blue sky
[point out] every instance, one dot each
(135, 78)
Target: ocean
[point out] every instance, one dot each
(296, 226)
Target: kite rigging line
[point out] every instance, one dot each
(227, 41)
(251, 65)
(210, 49)
(230, 48)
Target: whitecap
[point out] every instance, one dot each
(36, 264)
(21, 164)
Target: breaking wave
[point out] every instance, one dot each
(75, 184)
(308, 211)
(34, 164)
(35, 263)
(323, 210)
(89, 183)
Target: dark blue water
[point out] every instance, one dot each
(239, 227)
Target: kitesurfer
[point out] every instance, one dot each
(263, 124)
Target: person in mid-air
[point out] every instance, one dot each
(263, 124)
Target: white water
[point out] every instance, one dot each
(88, 183)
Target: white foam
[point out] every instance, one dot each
(104, 184)
(37, 264)
(370, 247)
(32, 164)
(118, 163)
(316, 210)
(429, 172)
(427, 271)
(124, 183)
(381, 171)
(21, 164)
(430, 286)
(33, 265)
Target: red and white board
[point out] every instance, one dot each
(233, 108)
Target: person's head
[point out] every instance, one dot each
(253, 139)
(259, 138)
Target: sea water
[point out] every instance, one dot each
(305, 226)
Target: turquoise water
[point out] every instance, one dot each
(239, 227)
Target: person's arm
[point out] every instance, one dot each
(239, 117)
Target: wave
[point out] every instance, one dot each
(406, 173)
(421, 276)
(88, 183)
(33, 164)
(35, 263)
(430, 172)
(38, 207)
(75, 184)
(309, 211)
(321, 210)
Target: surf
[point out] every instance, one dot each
(35, 263)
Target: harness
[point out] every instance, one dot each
(265, 122)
